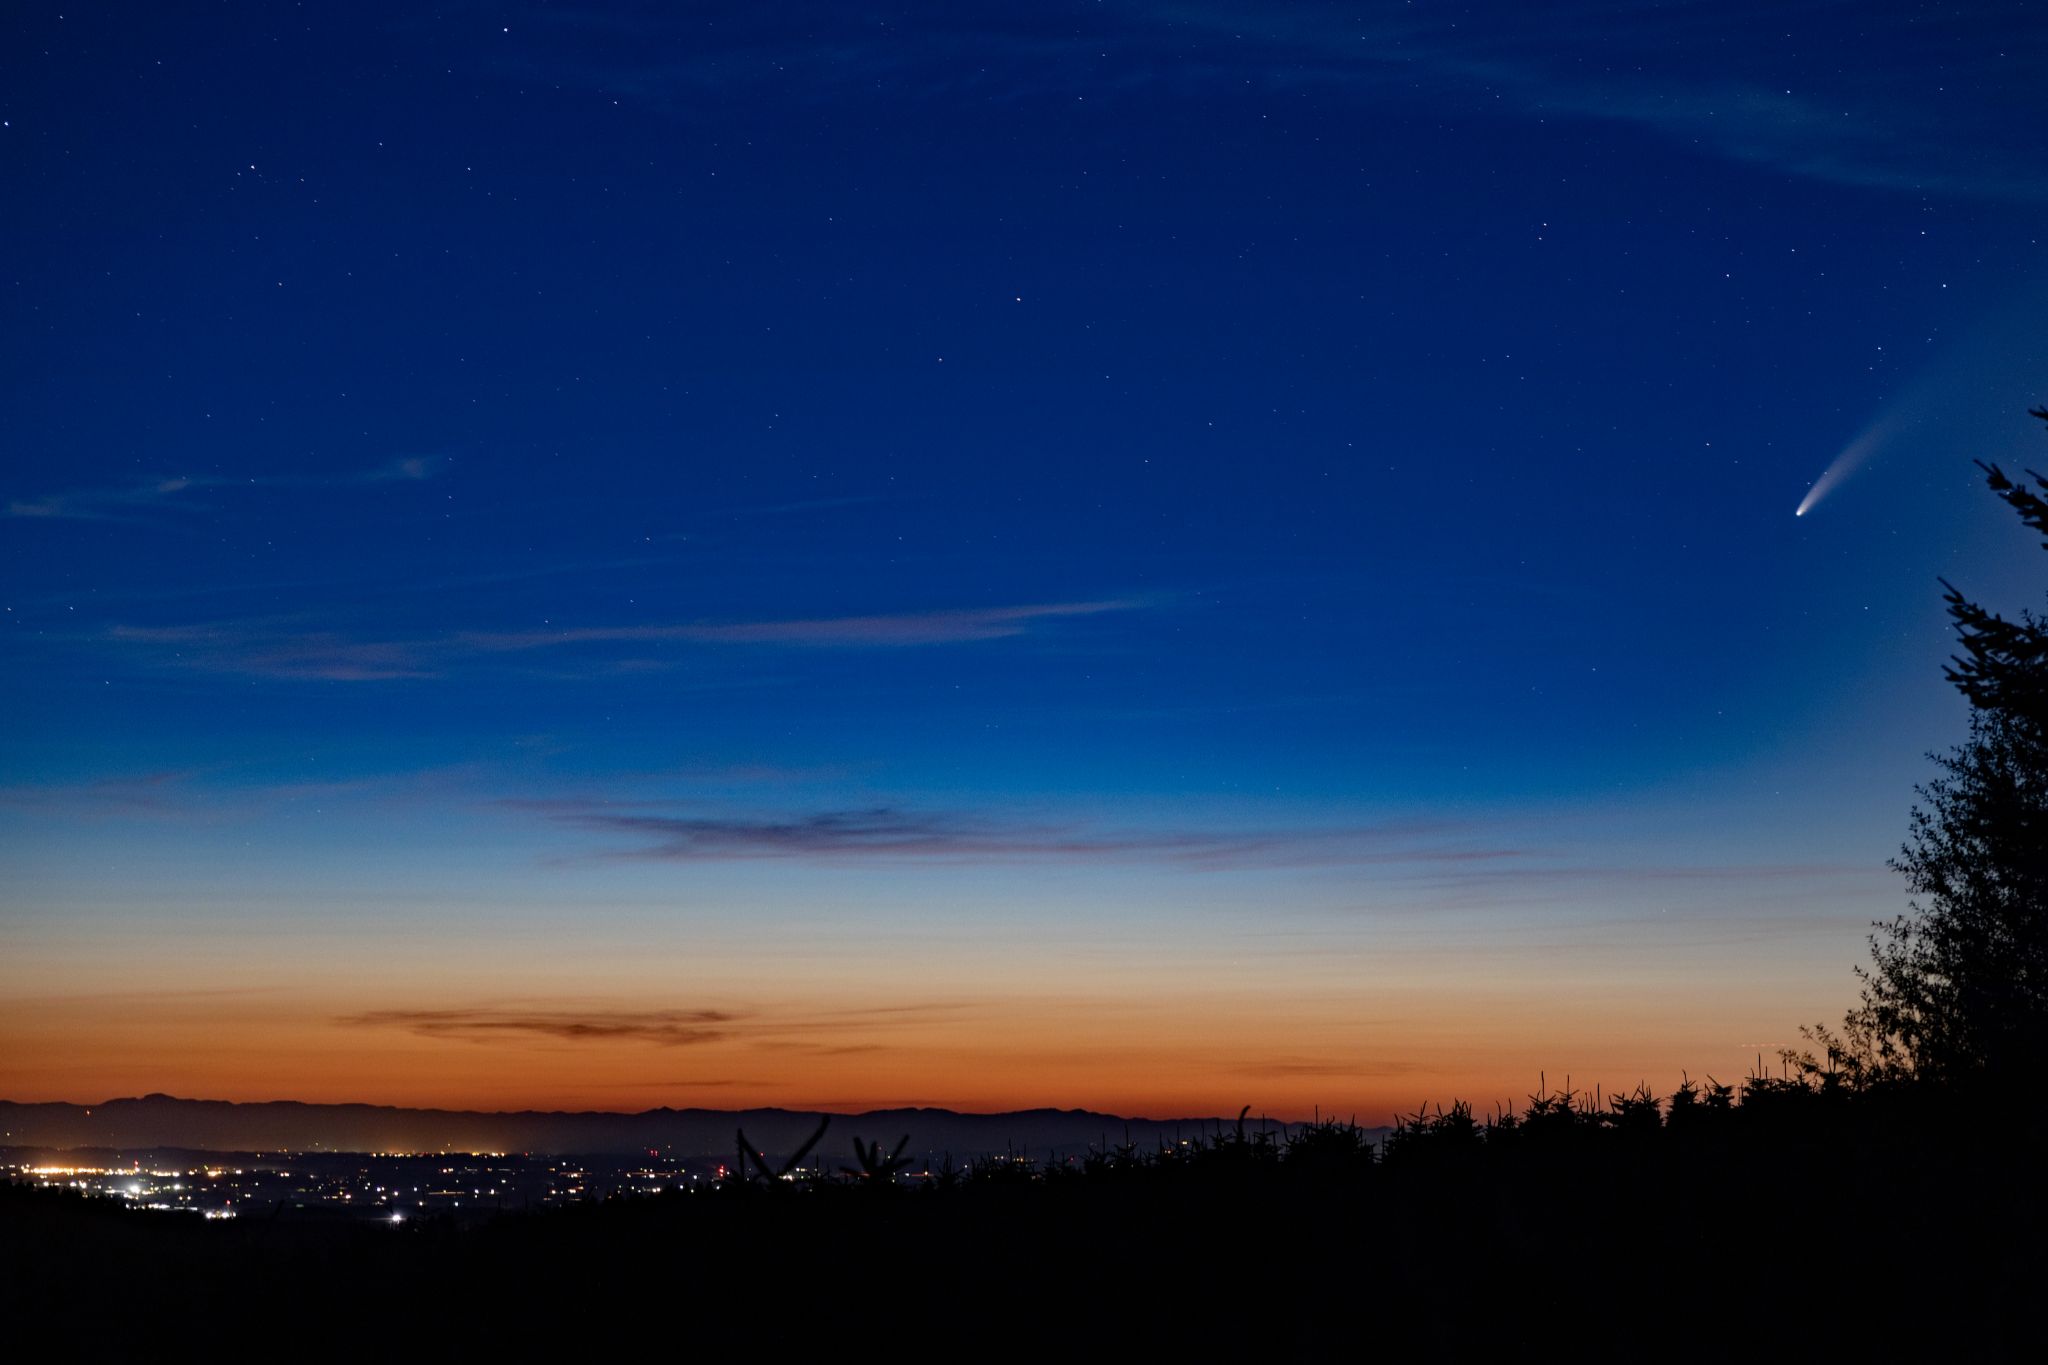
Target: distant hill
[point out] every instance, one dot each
(287, 1125)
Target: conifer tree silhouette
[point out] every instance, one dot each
(1957, 988)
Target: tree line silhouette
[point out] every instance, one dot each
(1877, 1190)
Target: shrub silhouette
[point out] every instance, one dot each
(1329, 1150)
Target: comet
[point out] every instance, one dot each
(1852, 456)
(2000, 354)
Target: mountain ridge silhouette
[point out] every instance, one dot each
(160, 1120)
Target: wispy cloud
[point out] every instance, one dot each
(286, 650)
(133, 501)
(1568, 880)
(1574, 875)
(221, 793)
(251, 648)
(685, 1083)
(885, 832)
(97, 504)
(1880, 118)
(906, 628)
(1317, 1066)
(150, 793)
(1907, 100)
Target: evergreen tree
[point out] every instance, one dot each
(1957, 988)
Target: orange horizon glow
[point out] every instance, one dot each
(1174, 1058)
(1292, 1012)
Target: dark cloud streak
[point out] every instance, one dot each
(668, 1028)
(886, 832)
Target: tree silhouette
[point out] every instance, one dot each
(1957, 988)
(2003, 668)
(759, 1160)
(876, 1166)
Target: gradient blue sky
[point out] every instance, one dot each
(1155, 556)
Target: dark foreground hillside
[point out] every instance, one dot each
(1894, 1225)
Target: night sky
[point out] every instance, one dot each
(1155, 557)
